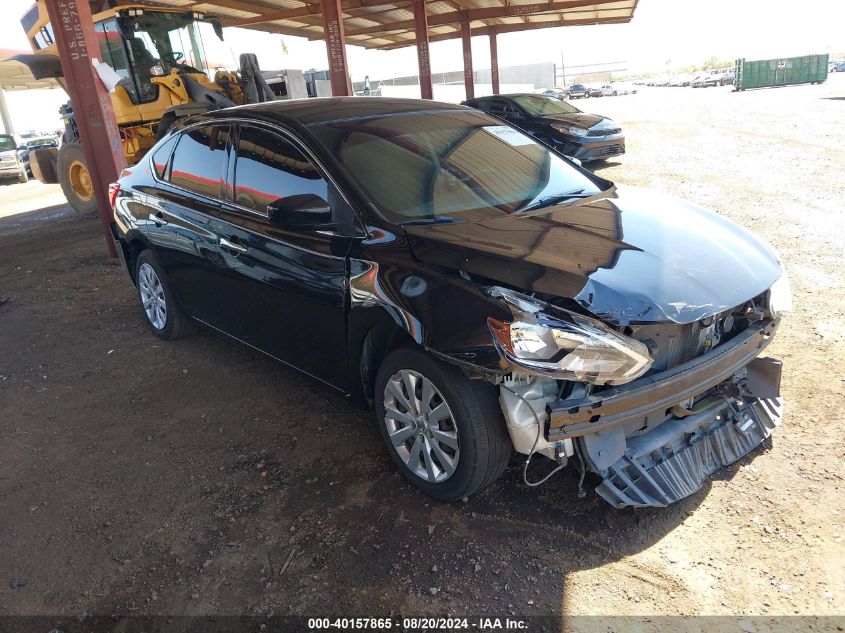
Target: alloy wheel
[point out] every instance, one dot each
(421, 426)
(152, 296)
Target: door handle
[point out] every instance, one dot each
(158, 218)
(232, 246)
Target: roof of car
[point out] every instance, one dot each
(320, 110)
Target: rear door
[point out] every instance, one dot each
(180, 211)
(288, 287)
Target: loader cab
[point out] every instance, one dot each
(142, 44)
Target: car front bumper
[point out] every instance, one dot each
(648, 456)
(589, 148)
(10, 171)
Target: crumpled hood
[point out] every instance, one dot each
(577, 119)
(631, 257)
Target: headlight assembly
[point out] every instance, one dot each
(780, 296)
(554, 342)
(571, 131)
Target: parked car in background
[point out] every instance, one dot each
(838, 67)
(480, 292)
(33, 144)
(716, 77)
(577, 91)
(10, 165)
(608, 91)
(587, 137)
(680, 80)
(623, 88)
(595, 90)
(555, 93)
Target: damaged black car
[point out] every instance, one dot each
(482, 293)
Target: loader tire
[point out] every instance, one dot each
(75, 178)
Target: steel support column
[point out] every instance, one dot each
(466, 41)
(8, 126)
(74, 35)
(494, 61)
(336, 48)
(423, 58)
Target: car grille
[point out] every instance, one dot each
(605, 132)
(609, 150)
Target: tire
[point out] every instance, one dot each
(175, 324)
(22, 177)
(568, 95)
(75, 178)
(43, 162)
(474, 418)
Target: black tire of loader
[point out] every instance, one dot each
(68, 153)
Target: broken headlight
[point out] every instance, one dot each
(551, 341)
(780, 296)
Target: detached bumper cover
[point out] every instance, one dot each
(652, 473)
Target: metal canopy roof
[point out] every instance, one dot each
(387, 24)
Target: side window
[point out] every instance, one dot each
(162, 155)
(199, 160)
(269, 167)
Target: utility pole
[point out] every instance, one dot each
(562, 71)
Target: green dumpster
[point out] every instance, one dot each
(787, 71)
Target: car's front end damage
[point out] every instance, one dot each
(652, 409)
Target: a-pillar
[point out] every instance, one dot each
(423, 57)
(467, 45)
(336, 48)
(494, 61)
(73, 29)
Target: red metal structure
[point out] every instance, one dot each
(336, 48)
(466, 35)
(423, 58)
(494, 61)
(74, 37)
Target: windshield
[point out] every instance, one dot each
(537, 105)
(449, 164)
(7, 143)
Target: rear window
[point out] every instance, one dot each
(200, 159)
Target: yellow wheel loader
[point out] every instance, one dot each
(158, 54)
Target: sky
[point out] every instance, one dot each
(680, 32)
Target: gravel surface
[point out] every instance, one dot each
(198, 477)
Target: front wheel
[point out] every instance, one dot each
(444, 431)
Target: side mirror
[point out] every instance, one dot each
(303, 212)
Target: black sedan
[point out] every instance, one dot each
(587, 137)
(479, 291)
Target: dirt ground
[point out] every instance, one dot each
(198, 477)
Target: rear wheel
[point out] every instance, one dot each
(23, 177)
(164, 316)
(444, 432)
(75, 178)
